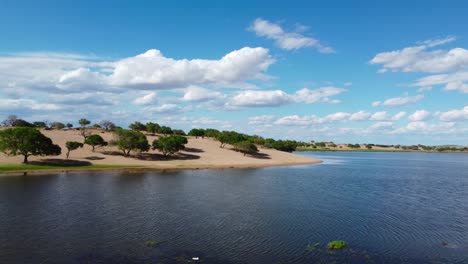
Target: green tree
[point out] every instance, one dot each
(27, 142)
(72, 145)
(128, 140)
(57, 125)
(95, 141)
(230, 137)
(169, 145)
(245, 147)
(39, 124)
(211, 132)
(165, 130)
(197, 132)
(179, 132)
(84, 122)
(152, 127)
(137, 126)
(83, 128)
(69, 125)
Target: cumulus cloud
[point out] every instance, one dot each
(257, 98)
(425, 89)
(384, 116)
(457, 81)
(419, 115)
(381, 125)
(376, 103)
(198, 94)
(322, 94)
(260, 98)
(164, 109)
(149, 98)
(404, 100)
(422, 58)
(148, 71)
(360, 116)
(454, 115)
(261, 120)
(15, 104)
(286, 40)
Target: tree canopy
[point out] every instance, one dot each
(169, 145)
(152, 127)
(128, 140)
(137, 126)
(165, 130)
(107, 125)
(197, 132)
(95, 141)
(245, 147)
(72, 145)
(27, 142)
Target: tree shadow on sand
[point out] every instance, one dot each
(94, 158)
(60, 162)
(157, 156)
(194, 150)
(260, 156)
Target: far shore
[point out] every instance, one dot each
(200, 153)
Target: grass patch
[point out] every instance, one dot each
(151, 243)
(25, 167)
(336, 245)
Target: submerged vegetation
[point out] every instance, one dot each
(337, 245)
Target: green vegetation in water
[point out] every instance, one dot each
(151, 243)
(25, 167)
(336, 245)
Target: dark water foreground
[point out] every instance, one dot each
(389, 207)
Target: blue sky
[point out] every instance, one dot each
(366, 71)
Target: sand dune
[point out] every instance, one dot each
(199, 153)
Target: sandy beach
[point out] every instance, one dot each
(200, 153)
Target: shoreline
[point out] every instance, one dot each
(134, 169)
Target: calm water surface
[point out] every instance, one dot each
(389, 207)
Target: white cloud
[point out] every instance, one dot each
(198, 94)
(381, 125)
(149, 98)
(260, 98)
(384, 116)
(165, 108)
(286, 40)
(261, 120)
(148, 71)
(422, 59)
(454, 115)
(153, 70)
(400, 101)
(380, 116)
(376, 103)
(15, 104)
(398, 116)
(424, 89)
(360, 116)
(453, 81)
(295, 120)
(253, 98)
(419, 115)
(321, 94)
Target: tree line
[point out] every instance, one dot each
(24, 138)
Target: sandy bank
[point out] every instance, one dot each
(200, 153)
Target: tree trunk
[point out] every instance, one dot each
(25, 160)
(93, 148)
(68, 153)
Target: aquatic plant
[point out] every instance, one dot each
(151, 243)
(336, 245)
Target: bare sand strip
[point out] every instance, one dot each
(200, 153)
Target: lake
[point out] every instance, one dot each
(388, 207)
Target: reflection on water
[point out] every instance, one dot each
(389, 207)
